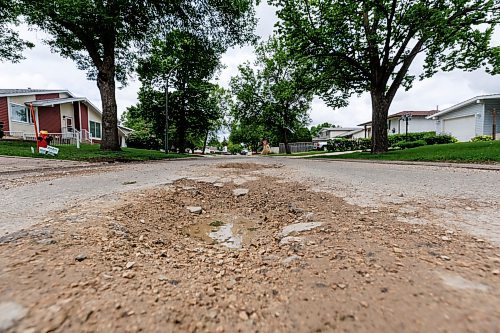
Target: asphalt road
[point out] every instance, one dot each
(460, 198)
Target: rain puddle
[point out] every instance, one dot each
(231, 232)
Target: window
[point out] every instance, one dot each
(95, 129)
(20, 113)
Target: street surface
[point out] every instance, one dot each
(248, 244)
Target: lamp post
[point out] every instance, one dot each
(166, 107)
(406, 117)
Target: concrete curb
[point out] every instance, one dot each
(488, 167)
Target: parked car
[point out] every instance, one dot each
(244, 152)
(320, 145)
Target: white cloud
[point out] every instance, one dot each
(45, 70)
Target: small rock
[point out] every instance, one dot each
(243, 315)
(162, 278)
(128, 275)
(10, 313)
(81, 257)
(496, 272)
(363, 304)
(46, 241)
(194, 209)
(445, 257)
(468, 208)
(239, 192)
(299, 227)
(290, 259)
(397, 250)
(401, 195)
(341, 285)
(290, 239)
(445, 238)
(130, 264)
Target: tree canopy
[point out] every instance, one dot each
(271, 94)
(105, 37)
(369, 46)
(11, 45)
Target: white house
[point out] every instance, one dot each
(470, 118)
(326, 134)
(396, 123)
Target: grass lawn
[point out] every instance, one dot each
(469, 152)
(306, 153)
(90, 153)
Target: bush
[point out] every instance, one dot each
(439, 139)
(410, 144)
(143, 140)
(480, 138)
(395, 138)
(342, 144)
(234, 148)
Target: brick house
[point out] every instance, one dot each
(59, 112)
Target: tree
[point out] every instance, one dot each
(357, 46)
(105, 37)
(11, 45)
(315, 129)
(185, 62)
(273, 94)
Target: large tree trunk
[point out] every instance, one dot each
(106, 85)
(205, 142)
(380, 110)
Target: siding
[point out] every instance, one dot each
(49, 118)
(488, 117)
(4, 113)
(46, 96)
(77, 115)
(85, 116)
(469, 110)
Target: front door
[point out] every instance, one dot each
(69, 124)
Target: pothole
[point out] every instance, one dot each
(232, 232)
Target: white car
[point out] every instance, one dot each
(321, 145)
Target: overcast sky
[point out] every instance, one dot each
(45, 70)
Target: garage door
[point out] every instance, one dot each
(463, 128)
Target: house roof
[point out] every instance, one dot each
(473, 100)
(413, 113)
(56, 101)
(21, 92)
(339, 129)
(402, 113)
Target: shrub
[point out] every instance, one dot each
(234, 148)
(143, 140)
(482, 138)
(410, 144)
(396, 138)
(439, 139)
(342, 144)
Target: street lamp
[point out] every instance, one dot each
(166, 107)
(406, 117)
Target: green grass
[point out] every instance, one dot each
(87, 152)
(469, 152)
(306, 153)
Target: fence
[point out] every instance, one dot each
(297, 147)
(67, 137)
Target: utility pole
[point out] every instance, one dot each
(494, 124)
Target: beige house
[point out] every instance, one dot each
(65, 116)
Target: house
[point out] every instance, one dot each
(396, 123)
(470, 118)
(328, 133)
(65, 116)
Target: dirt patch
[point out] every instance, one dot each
(146, 263)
